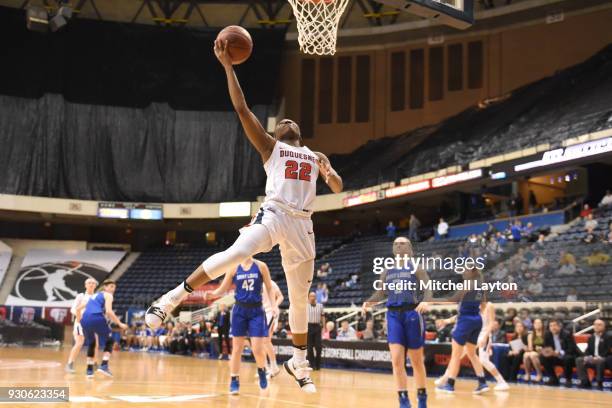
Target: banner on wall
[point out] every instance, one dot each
(25, 314)
(53, 277)
(59, 315)
(6, 253)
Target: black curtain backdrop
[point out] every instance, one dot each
(133, 65)
(54, 148)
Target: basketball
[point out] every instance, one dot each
(239, 42)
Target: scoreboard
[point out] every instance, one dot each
(130, 211)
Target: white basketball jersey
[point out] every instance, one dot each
(79, 300)
(292, 176)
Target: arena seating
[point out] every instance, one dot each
(571, 103)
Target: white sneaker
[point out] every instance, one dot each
(274, 371)
(158, 312)
(301, 373)
(501, 387)
(441, 381)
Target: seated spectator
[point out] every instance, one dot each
(539, 244)
(493, 248)
(567, 264)
(328, 331)
(598, 348)
(514, 358)
(498, 335)
(559, 349)
(369, 333)
(508, 325)
(586, 211)
(501, 239)
(322, 293)
(572, 295)
(346, 332)
(527, 231)
(590, 224)
(535, 287)
(442, 229)
(538, 262)
(353, 281)
(608, 236)
(597, 258)
(525, 319)
(606, 200)
(324, 270)
(391, 229)
(531, 357)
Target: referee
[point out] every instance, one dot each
(315, 321)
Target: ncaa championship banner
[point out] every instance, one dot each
(53, 278)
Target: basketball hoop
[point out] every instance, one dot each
(317, 24)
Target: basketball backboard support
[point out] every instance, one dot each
(453, 13)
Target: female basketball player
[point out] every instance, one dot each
(284, 218)
(77, 330)
(487, 312)
(248, 316)
(405, 327)
(97, 310)
(465, 334)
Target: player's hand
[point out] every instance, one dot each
(222, 53)
(441, 323)
(324, 168)
(422, 307)
(275, 312)
(366, 306)
(207, 296)
(123, 326)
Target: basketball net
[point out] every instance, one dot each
(317, 24)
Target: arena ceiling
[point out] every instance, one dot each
(214, 13)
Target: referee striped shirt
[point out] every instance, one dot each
(314, 313)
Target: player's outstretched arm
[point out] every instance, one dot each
(257, 135)
(225, 286)
(332, 179)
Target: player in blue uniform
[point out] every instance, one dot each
(96, 311)
(405, 325)
(465, 334)
(248, 316)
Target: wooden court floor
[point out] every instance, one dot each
(153, 380)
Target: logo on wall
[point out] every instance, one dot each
(55, 281)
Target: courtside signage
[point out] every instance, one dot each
(574, 152)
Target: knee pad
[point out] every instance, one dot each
(91, 349)
(298, 316)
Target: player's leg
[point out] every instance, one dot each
(259, 352)
(269, 347)
(453, 366)
(483, 356)
(252, 240)
(398, 364)
(79, 340)
(106, 342)
(470, 349)
(414, 332)
(235, 359)
(299, 278)
(442, 380)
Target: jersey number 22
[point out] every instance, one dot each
(291, 170)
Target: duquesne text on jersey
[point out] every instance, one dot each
(297, 155)
(444, 285)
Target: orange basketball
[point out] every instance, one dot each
(239, 43)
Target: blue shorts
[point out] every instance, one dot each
(467, 329)
(248, 322)
(95, 324)
(406, 328)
